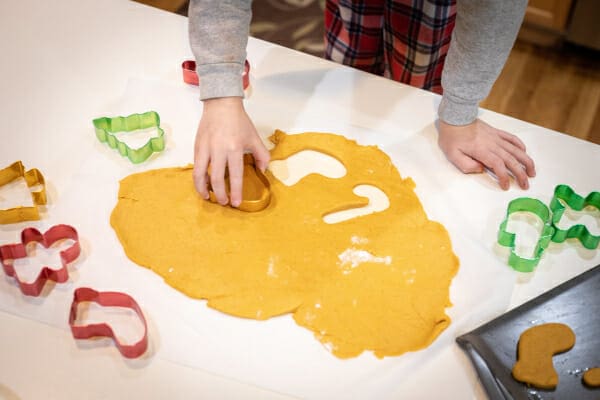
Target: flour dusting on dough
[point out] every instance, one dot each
(359, 240)
(352, 258)
(271, 268)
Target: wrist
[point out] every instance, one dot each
(445, 124)
(232, 103)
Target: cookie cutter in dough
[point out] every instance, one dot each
(107, 299)
(106, 128)
(578, 203)
(11, 252)
(256, 192)
(33, 177)
(191, 77)
(507, 239)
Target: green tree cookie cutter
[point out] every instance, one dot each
(507, 239)
(578, 203)
(106, 128)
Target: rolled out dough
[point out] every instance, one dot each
(378, 282)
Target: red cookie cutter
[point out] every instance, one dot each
(10, 252)
(107, 299)
(190, 76)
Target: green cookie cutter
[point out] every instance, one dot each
(578, 203)
(106, 128)
(507, 239)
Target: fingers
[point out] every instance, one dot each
(498, 167)
(517, 149)
(465, 163)
(521, 157)
(501, 161)
(200, 173)
(511, 139)
(217, 178)
(515, 167)
(235, 164)
(261, 155)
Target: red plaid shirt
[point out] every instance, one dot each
(406, 40)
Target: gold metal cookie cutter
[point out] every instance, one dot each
(33, 177)
(256, 189)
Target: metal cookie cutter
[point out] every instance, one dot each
(507, 239)
(578, 203)
(256, 189)
(10, 252)
(107, 299)
(190, 76)
(33, 177)
(107, 127)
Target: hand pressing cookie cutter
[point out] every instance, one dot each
(33, 177)
(47, 239)
(507, 239)
(578, 203)
(106, 128)
(107, 299)
(191, 77)
(256, 192)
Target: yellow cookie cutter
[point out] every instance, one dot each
(256, 191)
(33, 177)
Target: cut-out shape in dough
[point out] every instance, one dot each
(378, 201)
(303, 163)
(591, 377)
(536, 347)
(378, 283)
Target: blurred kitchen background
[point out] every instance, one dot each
(551, 78)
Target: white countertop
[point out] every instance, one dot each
(67, 62)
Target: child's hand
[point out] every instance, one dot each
(224, 133)
(477, 145)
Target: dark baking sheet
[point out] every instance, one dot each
(493, 346)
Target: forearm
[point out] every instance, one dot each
(483, 36)
(218, 33)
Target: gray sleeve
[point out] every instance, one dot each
(483, 36)
(218, 32)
